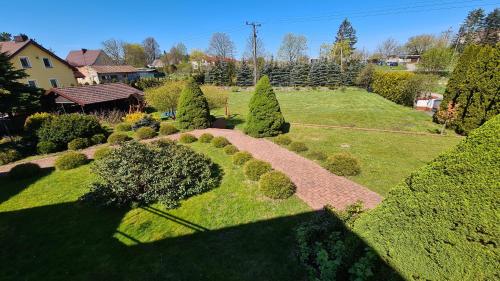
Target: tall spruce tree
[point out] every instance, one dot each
(299, 75)
(334, 77)
(492, 28)
(264, 118)
(16, 97)
(470, 30)
(192, 108)
(350, 74)
(219, 74)
(474, 87)
(318, 74)
(346, 33)
(244, 77)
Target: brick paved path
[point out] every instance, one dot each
(315, 185)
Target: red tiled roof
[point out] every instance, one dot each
(114, 68)
(79, 58)
(92, 94)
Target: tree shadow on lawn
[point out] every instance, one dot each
(10, 188)
(75, 241)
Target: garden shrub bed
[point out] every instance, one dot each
(254, 169)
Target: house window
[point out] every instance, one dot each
(25, 62)
(32, 83)
(47, 63)
(54, 83)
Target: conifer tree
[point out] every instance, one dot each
(192, 108)
(244, 77)
(492, 27)
(299, 75)
(334, 77)
(350, 74)
(318, 75)
(265, 118)
(346, 33)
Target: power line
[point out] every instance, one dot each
(254, 42)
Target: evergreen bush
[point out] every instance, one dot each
(343, 164)
(145, 133)
(146, 121)
(167, 129)
(35, 122)
(192, 109)
(393, 85)
(187, 138)
(276, 185)
(70, 160)
(102, 152)
(230, 149)
(46, 147)
(220, 142)
(206, 138)
(123, 127)
(265, 117)
(240, 158)
(9, 155)
(244, 77)
(98, 139)
(78, 143)
(299, 75)
(282, 140)
(254, 168)
(118, 138)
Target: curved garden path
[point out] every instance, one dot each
(315, 185)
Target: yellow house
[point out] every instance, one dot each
(45, 69)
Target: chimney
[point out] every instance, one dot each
(84, 51)
(20, 38)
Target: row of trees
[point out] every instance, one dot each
(138, 55)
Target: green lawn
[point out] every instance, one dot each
(386, 158)
(229, 233)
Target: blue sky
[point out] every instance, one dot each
(66, 25)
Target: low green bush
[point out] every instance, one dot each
(102, 152)
(46, 147)
(70, 160)
(254, 168)
(24, 171)
(298, 146)
(118, 138)
(206, 138)
(276, 185)
(78, 143)
(145, 133)
(167, 129)
(343, 164)
(123, 127)
(187, 138)
(240, 158)
(230, 149)
(317, 155)
(220, 142)
(9, 155)
(282, 140)
(35, 122)
(98, 139)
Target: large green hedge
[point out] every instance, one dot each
(393, 85)
(442, 223)
(192, 108)
(474, 87)
(265, 118)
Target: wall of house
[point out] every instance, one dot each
(90, 78)
(38, 72)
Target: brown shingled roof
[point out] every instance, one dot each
(114, 68)
(81, 58)
(92, 94)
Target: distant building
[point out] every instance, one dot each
(157, 63)
(85, 57)
(97, 74)
(44, 68)
(208, 61)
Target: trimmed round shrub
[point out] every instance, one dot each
(78, 143)
(123, 127)
(230, 149)
(318, 155)
(343, 164)
(276, 185)
(98, 139)
(240, 158)
(220, 142)
(187, 138)
(24, 171)
(35, 121)
(102, 152)
(46, 147)
(206, 138)
(145, 133)
(9, 155)
(62, 129)
(167, 129)
(192, 108)
(163, 172)
(254, 168)
(118, 138)
(282, 140)
(146, 121)
(298, 146)
(70, 160)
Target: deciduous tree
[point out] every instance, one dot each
(151, 49)
(293, 48)
(221, 46)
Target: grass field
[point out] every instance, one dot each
(229, 233)
(386, 158)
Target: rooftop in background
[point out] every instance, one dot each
(83, 57)
(114, 68)
(92, 94)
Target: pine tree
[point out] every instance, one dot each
(334, 76)
(16, 97)
(350, 74)
(219, 74)
(346, 33)
(474, 87)
(244, 78)
(491, 28)
(318, 74)
(192, 108)
(470, 31)
(265, 118)
(299, 75)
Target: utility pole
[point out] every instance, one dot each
(254, 41)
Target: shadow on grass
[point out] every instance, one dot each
(233, 121)
(9, 188)
(73, 241)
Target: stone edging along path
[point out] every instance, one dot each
(315, 185)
